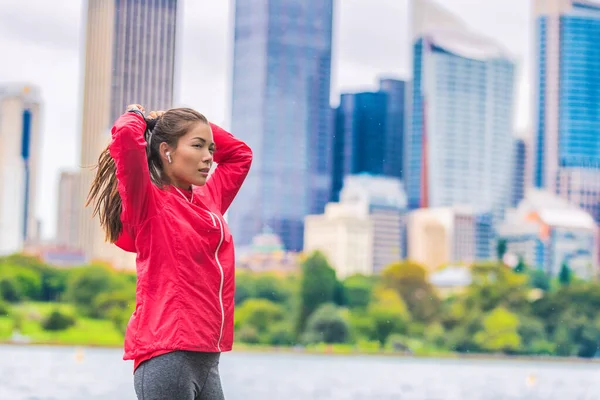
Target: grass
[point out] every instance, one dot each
(6, 325)
(86, 331)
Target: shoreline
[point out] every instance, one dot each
(328, 351)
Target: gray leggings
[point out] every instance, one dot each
(180, 375)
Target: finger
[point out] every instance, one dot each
(135, 107)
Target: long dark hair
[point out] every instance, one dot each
(104, 194)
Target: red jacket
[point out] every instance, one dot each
(185, 257)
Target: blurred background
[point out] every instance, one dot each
(420, 220)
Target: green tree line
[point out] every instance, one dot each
(503, 310)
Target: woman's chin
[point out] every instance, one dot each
(201, 181)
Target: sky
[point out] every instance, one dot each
(42, 43)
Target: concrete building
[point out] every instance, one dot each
(344, 233)
(129, 58)
(443, 235)
(19, 165)
(383, 199)
(366, 230)
(547, 231)
(68, 210)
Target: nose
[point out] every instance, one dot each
(208, 158)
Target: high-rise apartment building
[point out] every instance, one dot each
(369, 133)
(459, 144)
(566, 149)
(19, 165)
(280, 107)
(129, 58)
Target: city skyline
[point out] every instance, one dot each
(356, 66)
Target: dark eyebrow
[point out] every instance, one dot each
(212, 144)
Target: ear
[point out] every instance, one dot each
(163, 149)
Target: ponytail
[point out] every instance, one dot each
(104, 191)
(105, 195)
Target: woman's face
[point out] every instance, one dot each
(191, 160)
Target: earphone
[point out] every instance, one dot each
(168, 154)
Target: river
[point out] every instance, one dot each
(68, 373)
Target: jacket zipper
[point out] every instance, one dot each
(222, 278)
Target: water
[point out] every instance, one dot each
(64, 373)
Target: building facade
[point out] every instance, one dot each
(519, 173)
(344, 235)
(69, 209)
(19, 165)
(567, 145)
(280, 108)
(384, 201)
(459, 145)
(369, 134)
(449, 235)
(547, 231)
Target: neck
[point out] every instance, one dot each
(182, 186)
(179, 185)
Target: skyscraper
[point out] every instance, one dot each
(280, 107)
(459, 146)
(567, 144)
(19, 163)
(519, 171)
(69, 209)
(129, 58)
(369, 134)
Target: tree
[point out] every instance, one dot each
(565, 276)
(85, 284)
(260, 314)
(357, 291)
(501, 248)
(389, 314)
(499, 332)
(244, 286)
(410, 282)
(539, 280)
(58, 321)
(269, 287)
(17, 283)
(521, 266)
(317, 287)
(493, 285)
(326, 325)
(109, 303)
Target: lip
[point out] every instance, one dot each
(204, 171)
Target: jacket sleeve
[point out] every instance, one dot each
(234, 158)
(128, 149)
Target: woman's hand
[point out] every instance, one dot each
(134, 107)
(155, 114)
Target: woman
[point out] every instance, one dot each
(153, 196)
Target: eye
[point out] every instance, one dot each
(198, 146)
